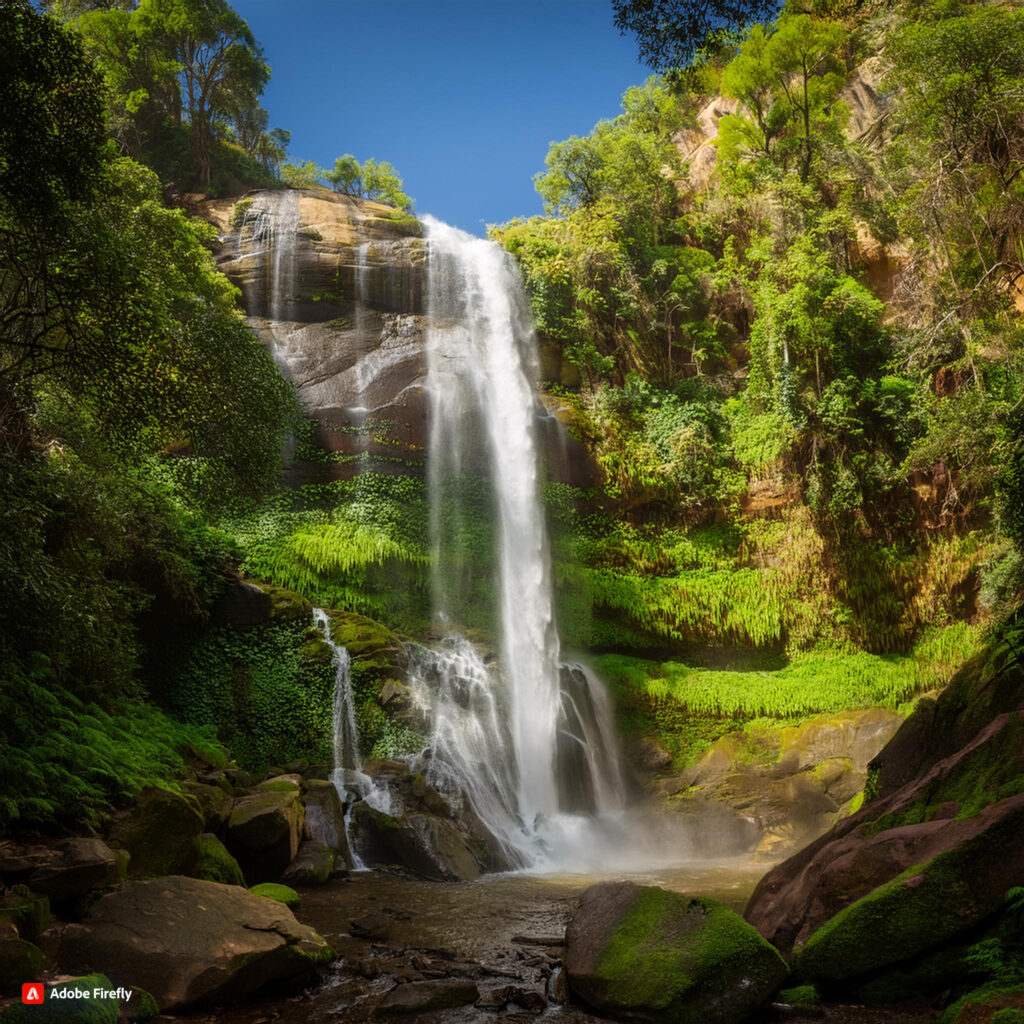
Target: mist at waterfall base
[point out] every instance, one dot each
(521, 737)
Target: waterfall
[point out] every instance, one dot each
(529, 743)
(344, 734)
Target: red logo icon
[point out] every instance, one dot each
(32, 992)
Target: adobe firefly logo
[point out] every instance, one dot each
(32, 992)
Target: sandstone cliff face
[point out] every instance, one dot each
(335, 287)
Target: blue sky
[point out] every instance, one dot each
(462, 96)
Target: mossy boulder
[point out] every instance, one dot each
(140, 1008)
(20, 961)
(947, 808)
(285, 605)
(28, 912)
(58, 1008)
(279, 893)
(214, 804)
(325, 820)
(161, 832)
(994, 1003)
(215, 863)
(927, 906)
(649, 954)
(265, 828)
(313, 865)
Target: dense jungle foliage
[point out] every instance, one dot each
(794, 352)
(810, 301)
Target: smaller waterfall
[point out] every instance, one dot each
(344, 734)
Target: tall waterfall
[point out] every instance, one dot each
(530, 741)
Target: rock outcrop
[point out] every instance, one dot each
(265, 828)
(187, 941)
(901, 888)
(774, 791)
(649, 954)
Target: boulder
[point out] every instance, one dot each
(215, 863)
(426, 996)
(187, 941)
(314, 865)
(857, 735)
(161, 832)
(945, 808)
(214, 804)
(20, 961)
(265, 828)
(653, 955)
(990, 684)
(75, 867)
(29, 913)
(424, 844)
(926, 906)
(325, 820)
(76, 1001)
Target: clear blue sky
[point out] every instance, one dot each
(462, 96)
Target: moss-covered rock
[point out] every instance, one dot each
(313, 865)
(990, 1004)
(20, 961)
(140, 1008)
(800, 995)
(58, 1008)
(215, 863)
(660, 956)
(926, 906)
(161, 832)
(214, 803)
(264, 831)
(285, 605)
(28, 912)
(279, 893)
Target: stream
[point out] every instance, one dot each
(500, 931)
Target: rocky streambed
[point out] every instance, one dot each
(490, 950)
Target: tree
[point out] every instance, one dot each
(220, 65)
(347, 176)
(382, 183)
(672, 33)
(789, 82)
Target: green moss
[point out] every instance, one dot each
(921, 909)
(652, 961)
(802, 995)
(279, 893)
(241, 208)
(20, 961)
(140, 1008)
(216, 864)
(980, 997)
(28, 912)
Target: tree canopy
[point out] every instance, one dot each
(671, 33)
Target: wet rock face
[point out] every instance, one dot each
(336, 288)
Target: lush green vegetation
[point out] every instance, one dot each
(823, 316)
(132, 400)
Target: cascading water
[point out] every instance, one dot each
(528, 744)
(344, 734)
